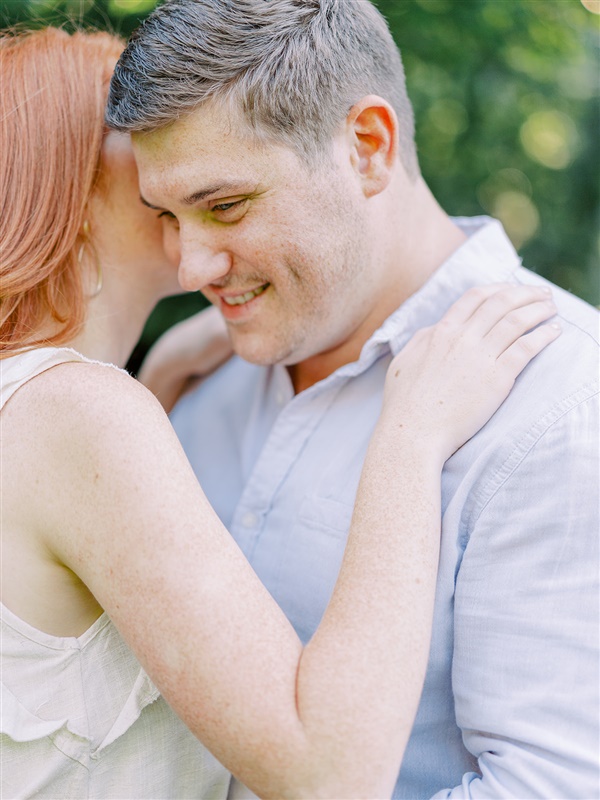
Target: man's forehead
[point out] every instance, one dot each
(205, 131)
(174, 158)
(184, 140)
(204, 149)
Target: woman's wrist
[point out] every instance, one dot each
(401, 437)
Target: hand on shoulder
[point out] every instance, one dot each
(451, 377)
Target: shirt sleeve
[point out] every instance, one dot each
(525, 663)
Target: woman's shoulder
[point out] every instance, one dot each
(78, 442)
(20, 369)
(58, 435)
(77, 415)
(61, 383)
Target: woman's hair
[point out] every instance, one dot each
(54, 89)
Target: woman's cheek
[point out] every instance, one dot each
(171, 243)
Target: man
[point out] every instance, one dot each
(276, 139)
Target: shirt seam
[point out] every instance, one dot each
(556, 414)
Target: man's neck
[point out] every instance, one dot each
(416, 239)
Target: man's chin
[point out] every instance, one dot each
(262, 351)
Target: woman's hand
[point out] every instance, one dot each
(189, 350)
(451, 377)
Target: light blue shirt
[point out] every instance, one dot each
(510, 704)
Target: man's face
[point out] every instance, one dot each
(281, 249)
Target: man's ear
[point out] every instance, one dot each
(372, 128)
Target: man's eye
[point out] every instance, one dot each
(230, 211)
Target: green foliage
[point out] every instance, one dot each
(506, 101)
(117, 16)
(506, 97)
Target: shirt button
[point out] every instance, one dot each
(250, 520)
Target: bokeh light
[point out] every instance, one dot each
(591, 5)
(122, 7)
(518, 214)
(449, 117)
(550, 137)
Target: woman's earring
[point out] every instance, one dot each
(99, 278)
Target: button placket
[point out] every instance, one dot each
(250, 519)
(289, 434)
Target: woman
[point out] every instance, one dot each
(114, 564)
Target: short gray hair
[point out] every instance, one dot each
(293, 67)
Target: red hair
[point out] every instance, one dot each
(54, 89)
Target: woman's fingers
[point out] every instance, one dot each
(454, 375)
(504, 304)
(463, 309)
(517, 322)
(520, 352)
(484, 306)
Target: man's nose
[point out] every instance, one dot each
(201, 263)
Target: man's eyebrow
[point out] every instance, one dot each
(216, 188)
(201, 194)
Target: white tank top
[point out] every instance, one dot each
(80, 717)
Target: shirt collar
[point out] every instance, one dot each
(487, 256)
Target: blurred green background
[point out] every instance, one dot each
(506, 97)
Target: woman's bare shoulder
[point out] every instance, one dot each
(78, 420)
(76, 395)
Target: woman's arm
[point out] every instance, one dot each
(129, 518)
(189, 350)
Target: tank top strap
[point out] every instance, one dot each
(22, 367)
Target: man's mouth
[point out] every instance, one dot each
(240, 299)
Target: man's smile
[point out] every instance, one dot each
(241, 299)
